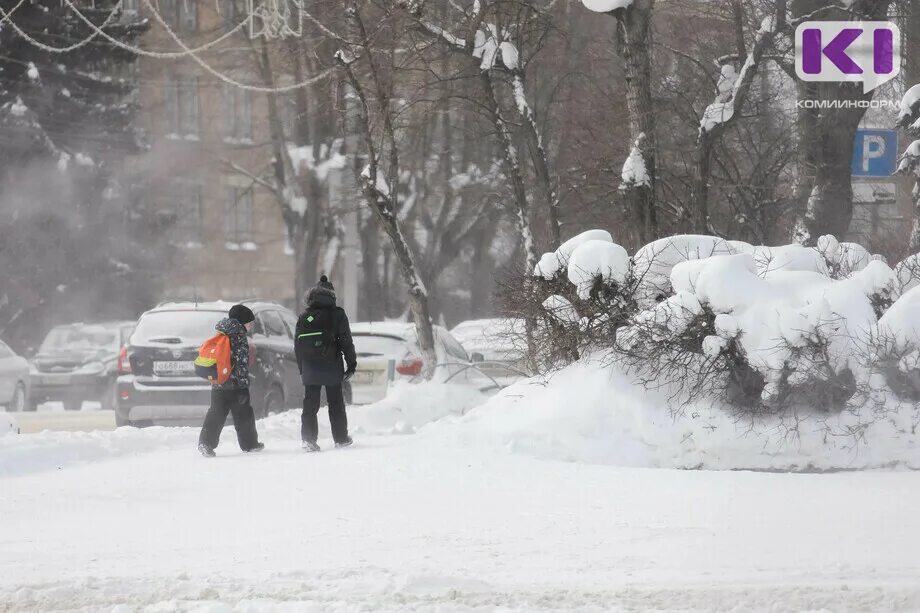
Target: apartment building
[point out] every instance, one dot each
(205, 135)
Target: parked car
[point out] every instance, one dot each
(76, 363)
(158, 385)
(15, 385)
(500, 343)
(8, 424)
(389, 352)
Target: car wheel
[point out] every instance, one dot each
(72, 405)
(273, 402)
(18, 403)
(107, 401)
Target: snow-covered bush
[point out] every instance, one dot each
(653, 263)
(897, 345)
(761, 328)
(574, 300)
(766, 332)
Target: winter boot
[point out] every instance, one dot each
(346, 443)
(258, 447)
(205, 450)
(310, 447)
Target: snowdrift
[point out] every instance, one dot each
(593, 413)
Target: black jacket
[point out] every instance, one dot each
(239, 354)
(328, 370)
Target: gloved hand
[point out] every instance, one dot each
(348, 374)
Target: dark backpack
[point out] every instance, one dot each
(316, 339)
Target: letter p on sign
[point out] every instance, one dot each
(875, 153)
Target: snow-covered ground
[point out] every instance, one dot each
(494, 510)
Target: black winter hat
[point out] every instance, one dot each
(241, 313)
(325, 283)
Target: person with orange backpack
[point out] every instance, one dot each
(224, 360)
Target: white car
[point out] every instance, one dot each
(501, 343)
(8, 424)
(15, 382)
(388, 352)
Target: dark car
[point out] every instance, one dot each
(77, 363)
(158, 385)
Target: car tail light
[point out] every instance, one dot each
(412, 368)
(124, 363)
(125, 395)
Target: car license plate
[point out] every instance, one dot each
(56, 379)
(363, 377)
(173, 368)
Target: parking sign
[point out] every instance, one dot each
(875, 153)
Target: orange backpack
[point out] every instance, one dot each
(214, 362)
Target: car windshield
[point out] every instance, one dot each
(176, 327)
(80, 338)
(375, 345)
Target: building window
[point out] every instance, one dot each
(238, 113)
(180, 14)
(186, 228)
(238, 219)
(287, 109)
(233, 12)
(182, 107)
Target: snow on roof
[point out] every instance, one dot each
(188, 305)
(399, 329)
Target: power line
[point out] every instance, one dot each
(98, 31)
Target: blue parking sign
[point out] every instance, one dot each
(875, 153)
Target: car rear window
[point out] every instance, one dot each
(375, 345)
(80, 338)
(177, 327)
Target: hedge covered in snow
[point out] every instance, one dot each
(763, 328)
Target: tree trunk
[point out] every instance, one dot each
(540, 159)
(824, 193)
(702, 171)
(512, 167)
(634, 29)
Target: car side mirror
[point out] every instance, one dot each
(476, 358)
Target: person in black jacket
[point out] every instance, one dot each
(232, 396)
(322, 340)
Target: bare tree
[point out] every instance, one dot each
(634, 42)
(734, 88)
(379, 179)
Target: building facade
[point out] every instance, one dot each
(208, 140)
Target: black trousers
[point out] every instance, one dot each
(309, 430)
(224, 402)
